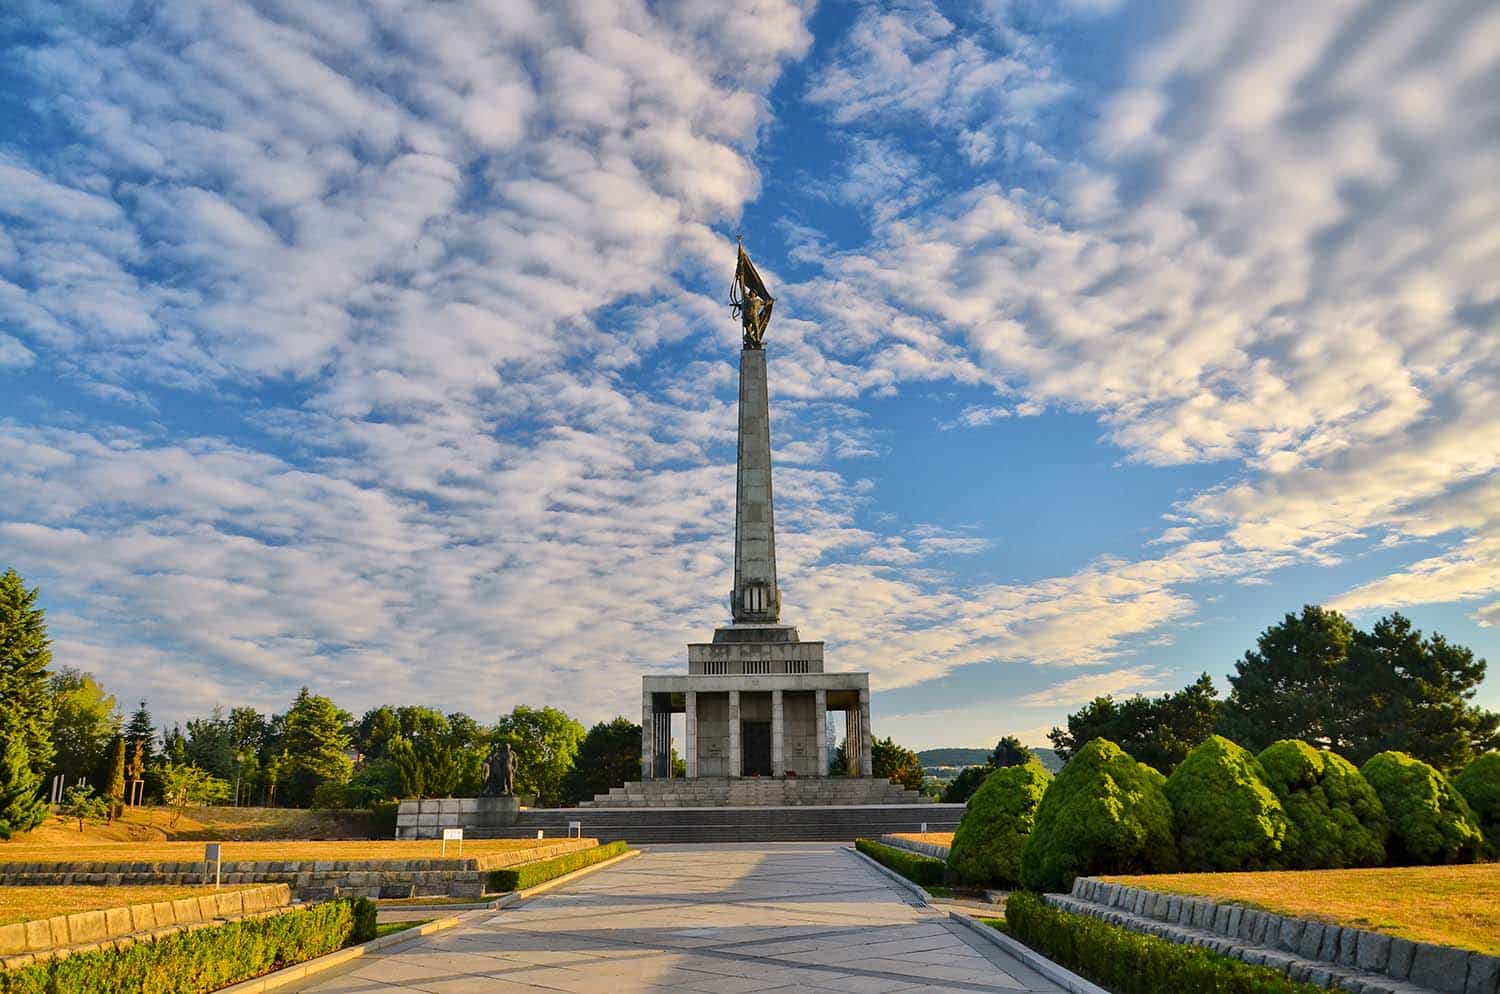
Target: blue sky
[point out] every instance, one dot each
(383, 347)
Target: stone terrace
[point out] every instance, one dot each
(1316, 952)
(309, 879)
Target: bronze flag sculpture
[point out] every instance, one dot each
(751, 300)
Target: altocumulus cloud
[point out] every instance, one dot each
(415, 258)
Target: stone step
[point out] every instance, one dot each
(760, 823)
(1305, 950)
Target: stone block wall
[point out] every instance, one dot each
(1308, 950)
(799, 734)
(308, 879)
(426, 818)
(83, 928)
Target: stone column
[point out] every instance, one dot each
(736, 766)
(778, 728)
(866, 758)
(851, 741)
(820, 722)
(755, 596)
(691, 698)
(648, 736)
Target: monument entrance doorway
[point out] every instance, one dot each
(757, 747)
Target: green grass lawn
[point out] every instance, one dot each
(389, 928)
(1451, 905)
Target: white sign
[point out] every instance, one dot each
(575, 829)
(453, 835)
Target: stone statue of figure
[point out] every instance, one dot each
(500, 772)
(750, 300)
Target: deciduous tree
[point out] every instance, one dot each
(545, 741)
(85, 722)
(896, 762)
(609, 755)
(1159, 731)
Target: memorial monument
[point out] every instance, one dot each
(756, 697)
(755, 702)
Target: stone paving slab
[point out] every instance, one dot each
(721, 920)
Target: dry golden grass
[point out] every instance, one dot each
(54, 851)
(1452, 905)
(20, 904)
(935, 838)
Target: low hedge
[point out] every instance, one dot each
(1129, 962)
(203, 959)
(921, 870)
(531, 874)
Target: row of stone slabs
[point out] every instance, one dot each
(1334, 956)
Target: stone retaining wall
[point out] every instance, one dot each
(46, 935)
(925, 848)
(1309, 950)
(308, 879)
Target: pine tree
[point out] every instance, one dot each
(317, 746)
(25, 654)
(20, 807)
(142, 729)
(114, 789)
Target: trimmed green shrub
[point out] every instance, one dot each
(200, 960)
(1223, 814)
(1336, 819)
(531, 874)
(1479, 784)
(921, 870)
(364, 921)
(1104, 813)
(1129, 962)
(1430, 820)
(995, 826)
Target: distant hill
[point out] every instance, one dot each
(977, 757)
(953, 757)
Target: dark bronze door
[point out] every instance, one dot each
(756, 746)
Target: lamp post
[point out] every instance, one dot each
(239, 764)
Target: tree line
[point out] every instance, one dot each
(1317, 678)
(62, 721)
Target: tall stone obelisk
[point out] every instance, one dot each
(755, 598)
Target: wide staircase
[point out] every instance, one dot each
(754, 792)
(789, 823)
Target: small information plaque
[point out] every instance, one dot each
(453, 835)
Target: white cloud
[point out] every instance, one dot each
(1079, 690)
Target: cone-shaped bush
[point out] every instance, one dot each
(1430, 820)
(1479, 783)
(1104, 813)
(1336, 819)
(995, 826)
(1223, 814)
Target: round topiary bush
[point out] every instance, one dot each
(1104, 813)
(1430, 820)
(995, 826)
(1336, 819)
(1479, 784)
(1223, 814)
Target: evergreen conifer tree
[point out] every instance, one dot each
(142, 729)
(21, 809)
(25, 654)
(317, 747)
(114, 787)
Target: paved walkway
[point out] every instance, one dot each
(784, 917)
